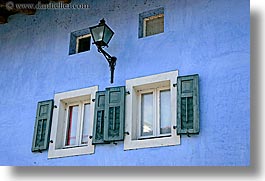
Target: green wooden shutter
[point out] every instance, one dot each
(114, 114)
(42, 127)
(188, 104)
(98, 130)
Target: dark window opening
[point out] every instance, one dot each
(80, 41)
(83, 44)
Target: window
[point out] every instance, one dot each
(80, 41)
(154, 113)
(83, 43)
(72, 123)
(151, 111)
(153, 25)
(77, 124)
(151, 22)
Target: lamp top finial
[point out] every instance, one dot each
(102, 21)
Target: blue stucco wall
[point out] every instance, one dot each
(211, 38)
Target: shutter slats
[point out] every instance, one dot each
(114, 114)
(109, 115)
(99, 118)
(188, 104)
(42, 128)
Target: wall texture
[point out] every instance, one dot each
(211, 38)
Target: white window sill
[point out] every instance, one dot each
(151, 143)
(74, 151)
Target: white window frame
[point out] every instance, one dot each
(158, 81)
(62, 101)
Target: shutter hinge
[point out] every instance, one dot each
(127, 92)
(90, 137)
(126, 133)
(188, 133)
(114, 143)
(174, 85)
(55, 106)
(174, 127)
(93, 100)
(51, 141)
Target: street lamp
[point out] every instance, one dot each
(101, 35)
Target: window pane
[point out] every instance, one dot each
(83, 44)
(72, 126)
(147, 114)
(85, 124)
(165, 112)
(154, 25)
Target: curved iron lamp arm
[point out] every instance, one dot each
(111, 60)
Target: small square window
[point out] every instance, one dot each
(83, 43)
(153, 25)
(151, 22)
(79, 41)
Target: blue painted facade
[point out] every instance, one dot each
(209, 38)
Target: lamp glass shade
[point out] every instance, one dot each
(108, 33)
(97, 33)
(101, 34)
